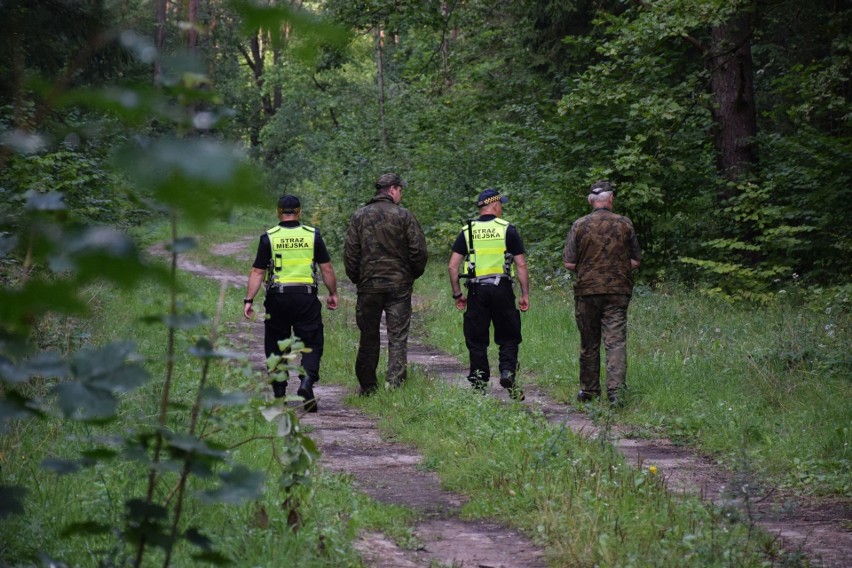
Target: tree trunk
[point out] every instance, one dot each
(380, 80)
(445, 45)
(734, 111)
(193, 22)
(277, 96)
(159, 33)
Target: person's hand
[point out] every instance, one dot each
(248, 311)
(524, 303)
(461, 303)
(331, 302)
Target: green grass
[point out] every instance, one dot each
(575, 497)
(767, 389)
(330, 512)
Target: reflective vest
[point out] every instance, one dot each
(489, 256)
(292, 255)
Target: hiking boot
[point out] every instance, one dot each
(368, 391)
(586, 396)
(616, 397)
(507, 381)
(279, 389)
(306, 391)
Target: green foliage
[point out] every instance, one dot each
(53, 252)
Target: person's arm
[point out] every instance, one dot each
(330, 281)
(453, 269)
(634, 251)
(255, 280)
(352, 253)
(524, 280)
(417, 252)
(569, 252)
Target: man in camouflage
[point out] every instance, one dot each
(603, 249)
(385, 251)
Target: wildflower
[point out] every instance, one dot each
(653, 470)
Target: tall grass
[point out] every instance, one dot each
(575, 497)
(768, 386)
(315, 529)
(765, 390)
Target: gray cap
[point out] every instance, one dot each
(601, 186)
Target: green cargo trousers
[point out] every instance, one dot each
(602, 316)
(396, 304)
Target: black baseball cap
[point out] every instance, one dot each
(289, 204)
(489, 196)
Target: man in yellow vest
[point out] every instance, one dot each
(495, 251)
(288, 255)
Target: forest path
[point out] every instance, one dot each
(387, 471)
(349, 442)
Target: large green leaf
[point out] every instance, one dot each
(195, 446)
(97, 376)
(238, 485)
(211, 397)
(312, 32)
(46, 364)
(80, 401)
(94, 253)
(200, 178)
(19, 307)
(112, 368)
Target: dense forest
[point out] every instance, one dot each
(724, 125)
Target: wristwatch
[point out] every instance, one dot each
(457, 296)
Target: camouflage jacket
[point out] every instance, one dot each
(385, 247)
(602, 244)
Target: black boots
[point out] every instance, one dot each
(306, 391)
(507, 381)
(279, 389)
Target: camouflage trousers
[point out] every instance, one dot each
(396, 305)
(602, 316)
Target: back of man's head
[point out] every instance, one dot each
(289, 205)
(601, 190)
(387, 181)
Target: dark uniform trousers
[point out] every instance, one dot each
(602, 315)
(487, 304)
(396, 304)
(295, 312)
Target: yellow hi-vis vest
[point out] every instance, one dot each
(489, 248)
(292, 255)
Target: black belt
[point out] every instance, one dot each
(292, 289)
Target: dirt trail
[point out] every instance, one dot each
(387, 471)
(350, 443)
